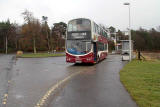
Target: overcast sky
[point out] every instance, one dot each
(144, 13)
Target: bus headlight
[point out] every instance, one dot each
(68, 59)
(90, 58)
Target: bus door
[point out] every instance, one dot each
(95, 51)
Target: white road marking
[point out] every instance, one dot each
(42, 101)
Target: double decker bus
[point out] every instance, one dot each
(86, 42)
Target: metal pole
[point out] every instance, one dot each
(130, 47)
(6, 44)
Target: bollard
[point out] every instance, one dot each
(139, 55)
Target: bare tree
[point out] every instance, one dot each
(33, 27)
(45, 19)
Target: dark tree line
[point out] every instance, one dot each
(32, 36)
(35, 35)
(7, 36)
(146, 40)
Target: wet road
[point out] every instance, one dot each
(94, 86)
(98, 86)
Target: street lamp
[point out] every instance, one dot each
(130, 47)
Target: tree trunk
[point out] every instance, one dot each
(51, 44)
(6, 45)
(34, 45)
(139, 55)
(48, 42)
(16, 44)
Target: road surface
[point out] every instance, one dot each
(51, 82)
(6, 65)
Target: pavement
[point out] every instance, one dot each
(25, 82)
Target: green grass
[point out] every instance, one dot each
(39, 55)
(142, 80)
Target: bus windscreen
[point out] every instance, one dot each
(78, 47)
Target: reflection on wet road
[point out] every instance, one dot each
(96, 86)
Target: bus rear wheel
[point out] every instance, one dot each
(98, 59)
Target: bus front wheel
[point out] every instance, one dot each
(98, 59)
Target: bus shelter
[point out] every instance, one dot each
(125, 50)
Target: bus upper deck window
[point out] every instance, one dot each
(86, 22)
(79, 21)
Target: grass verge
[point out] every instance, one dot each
(142, 80)
(39, 55)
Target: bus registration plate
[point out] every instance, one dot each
(78, 60)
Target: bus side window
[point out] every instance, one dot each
(99, 30)
(94, 28)
(105, 47)
(103, 33)
(101, 46)
(106, 35)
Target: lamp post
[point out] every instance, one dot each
(130, 47)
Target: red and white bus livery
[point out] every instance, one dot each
(86, 42)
